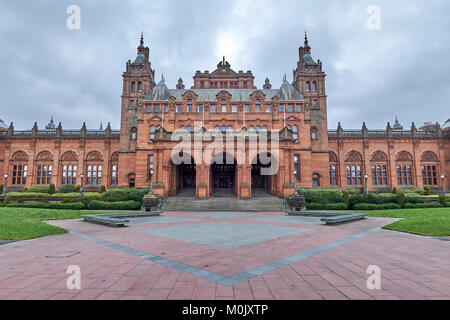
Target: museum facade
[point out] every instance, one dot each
(224, 133)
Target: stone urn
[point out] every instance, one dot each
(150, 202)
(296, 202)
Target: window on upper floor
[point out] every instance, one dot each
(281, 107)
(257, 105)
(245, 85)
(234, 108)
(246, 108)
(148, 107)
(308, 86)
(264, 128)
(217, 128)
(268, 108)
(131, 103)
(258, 128)
(157, 109)
(252, 129)
(213, 108)
(189, 105)
(200, 108)
(295, 132)
(313, 134)
(314, 86)
(298, 108)
(133, 86)
(152, 132)
(315, 102)
(139, 86)
(189, 128)
(202, 84)
(165, 108)
(223, 104)
(290, 108)
(179, 108)
(230, 129)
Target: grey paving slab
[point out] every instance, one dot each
(225, 215)
(156, 220)
(225, 235)
(291, 219)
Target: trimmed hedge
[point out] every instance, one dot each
(69, 188)
(118, 205)
(37, 189)
(122, 194)
(322, 195)
(423, 205)
(326, 206)
(374, 206)
(373, 198)
(45, 205)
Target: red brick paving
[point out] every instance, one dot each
(412, 267)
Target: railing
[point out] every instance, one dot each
(382, 133)
(63, 133)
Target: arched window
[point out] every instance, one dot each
(308, 86)
(313, 133)
(258, 128)
(44, 168)
(114, 168)
(404, 162)
(430, 172)
(69, 161)
(133, 86)
(264, 128)
(230, 128)
(289, 127)
(94, 168)
(217, 129)
(189, 128)
(224, 128)
(333, 168)
(19, 168)
(354, 170)
(314, 86)
(252, 129)
(139, 86)
(379, 168)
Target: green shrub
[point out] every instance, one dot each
(6, 201)
(322, 195)
(102, 189)
(39, 205)
(77, 188)
(407, 190)
(67, 206)
(401, 199)
(118, 205)
(1, 188)
(68, 188)
(37, 189)
(423, 205)
(394, 190)
(373, 206)
(442, 199)
(345, 198)
(385, 189)
(122, 194)
(372, 198)
(362, 190)
(51, 188)
(447, 204)
(326, 206)
(426, 190)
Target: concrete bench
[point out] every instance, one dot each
(344, 218)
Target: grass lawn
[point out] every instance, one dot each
(426, 222)
(26, 223)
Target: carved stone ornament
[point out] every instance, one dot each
(69, 156)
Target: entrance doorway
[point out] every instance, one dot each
(185, 177)
(223, 174)
(261, 181)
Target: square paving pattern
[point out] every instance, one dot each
(225, 235)
(226, 255)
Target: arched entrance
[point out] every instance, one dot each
(262, 177)
(223, 175)
(184, 176)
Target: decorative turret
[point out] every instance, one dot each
(34, 130)
(59, 129)
(413, 130)
(11, 129)
(108, 130)
(50, 125)
(364, 130)
(340, 131)
(397, 125)
(267, 84)
(83, 130)
(180, 84)
(389, 129)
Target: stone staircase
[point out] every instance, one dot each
(224, 200)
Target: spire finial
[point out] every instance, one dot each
(306, 38)
(142, 37)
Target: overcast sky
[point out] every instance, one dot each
(372, 75)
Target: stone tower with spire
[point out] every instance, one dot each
(138, 80)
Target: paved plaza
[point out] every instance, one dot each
(226, 255)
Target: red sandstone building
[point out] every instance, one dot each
(220, 103)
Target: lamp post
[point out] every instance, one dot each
(81, 185)
(443, 184)
(366, 176)
(151, 180)
(295, 180)
(4, 186)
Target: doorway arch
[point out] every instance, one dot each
(223, 175)
(184, 175)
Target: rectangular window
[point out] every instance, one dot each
(297, 166)
(354, 176)
(268, 108)
(148, 108)
(281, 107)
(114, 174)
(224, 108)
(257, 107)
(247, 108)
(404, 175)
(429, 174)
(165, 108)
(213, 108)
(290, 108)
(245, 85)
(234, 108)
(69, 174)
(200, 108)
(44, 174)
(333, 175)
(379, 175)
(94, 175)
(157, 108)
(19, 175)
(179, 108)
(299, 108)
(150, 165)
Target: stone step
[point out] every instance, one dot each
(266, 204)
